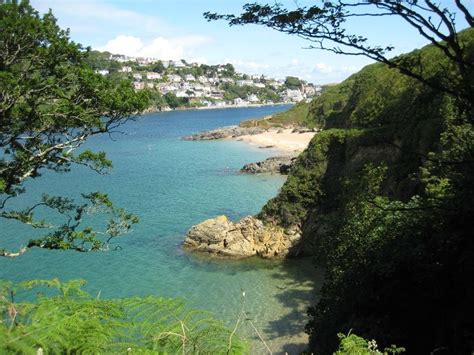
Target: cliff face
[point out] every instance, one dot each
(383, 198)
(376, 117)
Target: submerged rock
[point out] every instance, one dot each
(224, 132)
(274, 165)
(247, 237)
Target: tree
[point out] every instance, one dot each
(292, 83)
(394, 234)
(51, 102)
(172, 100)
(229, 71)
(158, 67)
(325, 27)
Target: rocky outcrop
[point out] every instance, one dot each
(225, 132)
(245, 238)
(305, 130)
(273, 165)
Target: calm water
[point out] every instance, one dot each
(172, 184)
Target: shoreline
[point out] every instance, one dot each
(282, 141)
(155, 110)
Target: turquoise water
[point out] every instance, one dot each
(172, 184)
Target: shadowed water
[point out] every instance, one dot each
(172, 184)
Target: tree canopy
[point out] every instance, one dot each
(51, 102)
(325, 27)
(383, 194)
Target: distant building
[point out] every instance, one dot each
(174, 78)
(126, 69)
(181, 93)
(153, 76)
(244, 82)
(137, 76)
(178, 64)
(253, 98)
(120, 58)
(189, 77)
(293, 95)
(145, 61)
(239, 102)
(309, 90)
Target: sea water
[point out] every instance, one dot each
(172, 184)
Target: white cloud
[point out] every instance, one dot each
(159, 47)
(324, 68)
(127, 45)
(98, 18)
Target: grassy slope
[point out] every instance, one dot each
(294, 117)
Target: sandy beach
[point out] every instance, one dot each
(282, 140)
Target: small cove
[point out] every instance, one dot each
(172, 184)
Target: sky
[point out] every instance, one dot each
(176, 29)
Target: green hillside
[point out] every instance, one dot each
(384, 199)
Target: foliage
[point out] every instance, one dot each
(382, 199)
(173, 101)
(296, 116)
(292, 82)
(303, 187)
(328, 27)
(51, 102)
(70, 320)
(101, 61)
(354, 345)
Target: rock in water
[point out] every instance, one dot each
(247, 237)
(274, 165)
(224, 132)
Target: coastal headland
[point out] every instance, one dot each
(250, 236)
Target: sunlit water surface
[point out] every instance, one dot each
(172, 184)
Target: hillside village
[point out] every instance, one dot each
(175, 84)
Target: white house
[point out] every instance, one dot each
(174, 78)
(178, 64)
(189, 77)
(244, 82)
(126, 69)
(181, 93)
(253, 98)
(293, 95)
(137, 76)
(153, 76)
(239, 102)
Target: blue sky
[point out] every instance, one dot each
(176, 29)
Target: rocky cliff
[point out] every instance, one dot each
(247, 237)
(224, 132)
(272, 165)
